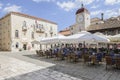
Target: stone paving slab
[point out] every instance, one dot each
(44, 74)
(14, 69)
(62, 70)
(11, 67)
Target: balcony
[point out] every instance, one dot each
(24, 28)
(51, 32)
(38, 30)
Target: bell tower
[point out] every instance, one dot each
(82, 18)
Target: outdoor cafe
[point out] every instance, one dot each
(91, 49)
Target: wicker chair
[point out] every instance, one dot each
(41, 53)
(117, 62)
(94, 59)
(69, 57)
(109, 61)
(86, 58)
(74, 57)
(47, 54)
(59, 55)
(37, 52)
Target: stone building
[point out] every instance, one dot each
(110, 26)
(65, 32)
(83, 22)
(18, 30)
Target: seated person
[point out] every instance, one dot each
(78, 52)
(99, 57)
(112, 53)
(65, 51)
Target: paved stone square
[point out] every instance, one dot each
(15, 69)
(29, 66)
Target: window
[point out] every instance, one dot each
(16, 33)
(72, 28)
(51, 28)
(17, 45)
(32, 34)
(34, 27)
(36, 24)
(33, 45)
(24, 24)
(8, 22)
(51, 35)
(45, 34)
(40, 26)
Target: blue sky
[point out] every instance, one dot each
(60, 11)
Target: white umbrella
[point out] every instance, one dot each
(102, 35)
(73, 38)
(84, 36)
(93, 38)
(53, 40)
(115, 38)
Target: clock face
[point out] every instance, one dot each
(80, 18)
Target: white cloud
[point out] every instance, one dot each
(1, 5)
(112, 2)
(95, 6)
(107, 13)
(37, 1)
(8, 4)
(119, 11)
(12, 8)
(97, 0)
(112, 12)
(95, 13)
(69, 5)
(86, 2)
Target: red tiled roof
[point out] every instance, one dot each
(110, 23)
(65, 32)
(81, 10)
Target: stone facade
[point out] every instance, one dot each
(18, 30)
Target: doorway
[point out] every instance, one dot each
(25, 46)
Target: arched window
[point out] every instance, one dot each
(16, 33)
(17, 45)
(24, 24)
(32, 34)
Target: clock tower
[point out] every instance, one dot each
(82, 18)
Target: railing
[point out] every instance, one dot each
(39, 30)
(24, 28)
(51, 32)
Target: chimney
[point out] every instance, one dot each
(102, 16)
